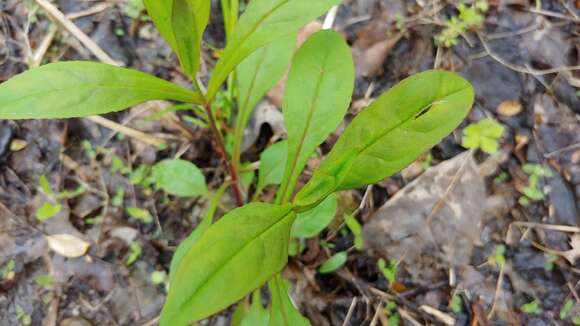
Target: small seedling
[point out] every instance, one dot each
(533, 307)
(46, 281)
(356, 229)
(7, 271)
(483, 135)
(389, 269)
(566, 308)
(135, 251)
(469, 18)
(140, 214)
(533, 192)
(333, 263)
(498, 257)
(456, 304)
(22, 316)
(392, 314)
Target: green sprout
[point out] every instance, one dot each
(484, 135)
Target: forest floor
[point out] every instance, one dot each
(465, 237)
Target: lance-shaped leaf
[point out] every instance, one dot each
(256, 75)
(397, 127)
(262, 22)
(317, 95)
(234, 256)
(283, 312)
(272, 161)
(182, 23)
(82, 88)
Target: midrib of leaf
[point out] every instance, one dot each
(282, 308)
(253, 83)
(90, 87)
(249, 242)
(303, 136)
(376, 139)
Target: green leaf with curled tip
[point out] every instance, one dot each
(82, 88)
(393, 131)
(264, 21)
(233, 257)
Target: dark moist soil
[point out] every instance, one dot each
(521, 42)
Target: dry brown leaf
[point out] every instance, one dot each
(573, 254)
(67, 245)
(509, 108)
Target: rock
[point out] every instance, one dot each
(417, 220)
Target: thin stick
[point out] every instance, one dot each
(497, 291)
(91, 11)
(561, 228)
(350, 311)
(139, 135)
(67, 24)
(523, 70)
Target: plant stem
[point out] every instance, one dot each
(222, 149)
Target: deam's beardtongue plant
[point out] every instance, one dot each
(221, 263)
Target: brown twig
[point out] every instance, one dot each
(222, 150)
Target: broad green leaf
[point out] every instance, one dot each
(189, 19)
(310, 223)
(397, 127)
(233, 257)
(257, 74)
(264, 21)
(180, 178)
(283, 312)
(317, 95)
(272, 162)
(81, 88)
(356, 229)
(333, 263)
(205, 223)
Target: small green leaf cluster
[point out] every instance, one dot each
(484, 135)
(470, 17)
(221, 263)
(533, 192)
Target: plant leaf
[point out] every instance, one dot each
(333, 263)
(205, 223)
(262, 22)
(67, 245)
(317, 95)
(182, 23)
(47, 211)
(272, 162)
(356, 229)
(256, 315)
(180, 178)
(234, 256)
(81, 88)
(397, 127)
(283, 312)
(310, 223)
(259, 72)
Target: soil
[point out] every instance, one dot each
(523, 62)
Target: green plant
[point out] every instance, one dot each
(533, 307)
(221, 263)
(22, 316)
(389, 269)
(470, 17)
(484, 135)
(533, 192)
